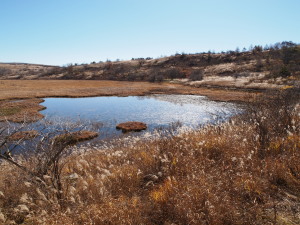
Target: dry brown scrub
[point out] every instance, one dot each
(245, 171)
(16, 89)
(23, 70)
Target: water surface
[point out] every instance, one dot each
(154, 110)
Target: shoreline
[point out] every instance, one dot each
(32, 92)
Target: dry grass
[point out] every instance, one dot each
(131, 126)
(21, 111)
(19, 89)
(214, 175)
(25, 135)
(78, 136)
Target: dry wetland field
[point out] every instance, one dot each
(245, 170)
(21, 89)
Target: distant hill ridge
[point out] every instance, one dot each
(277, 64)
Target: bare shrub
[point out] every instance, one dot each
(259, 65)
(174, 73)
(196, 75)
(41, 165)
(155, 76)
(4, 71)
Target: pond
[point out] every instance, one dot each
(154, 110)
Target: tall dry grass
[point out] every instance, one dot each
(221, 174)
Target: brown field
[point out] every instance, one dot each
(20, 89)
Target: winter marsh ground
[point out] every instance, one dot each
(244, 171)
(20, 89)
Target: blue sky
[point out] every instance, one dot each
(59, 32)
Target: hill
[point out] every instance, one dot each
(275, 66)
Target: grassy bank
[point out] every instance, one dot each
(245, 171)
(21, 110)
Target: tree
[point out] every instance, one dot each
(141, 62)
(284, 72)
(289, 54)
(70, 70)
(209, 57)
(259, 65)
(257, 49)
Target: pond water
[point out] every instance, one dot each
(154, 110)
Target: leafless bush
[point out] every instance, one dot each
(44, 155)
(196, 75)
(4, 71)
(155, 76)
(259, 65)
(174, 73)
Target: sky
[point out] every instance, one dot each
(59, 32)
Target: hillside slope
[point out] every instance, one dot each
(276, 66)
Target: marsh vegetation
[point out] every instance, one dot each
(243, 171)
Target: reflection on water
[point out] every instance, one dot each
(155, 110)
(178, 99)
